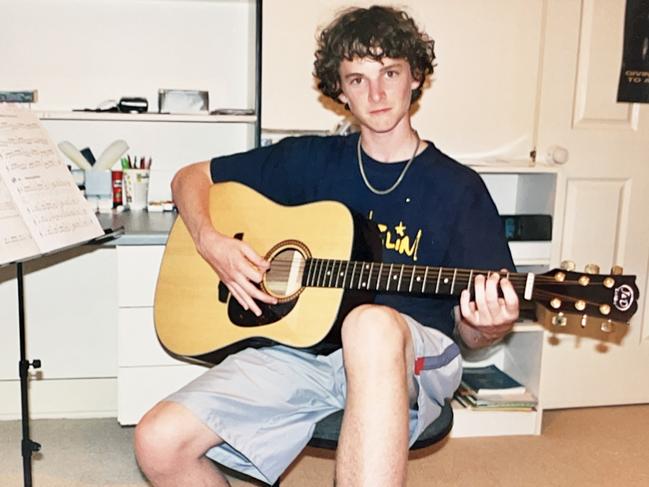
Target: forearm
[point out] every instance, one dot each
(190, 191)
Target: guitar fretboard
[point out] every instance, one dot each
(398, 278)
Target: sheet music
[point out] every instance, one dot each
(40, 187)
(15, 240)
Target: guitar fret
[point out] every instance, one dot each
(314, 275)
(423, 286)
(314, 264)
(327, 272)
(339, 272)
(319, 273)
(351, 279)
(400, 276)
(468, 284)
(387, 287)
(360, 277)
(439, 275)
(412, 278)
(306, 276)
(345, 275)
(369, 279)
(453, 283)
(331, 271)
(378, 278)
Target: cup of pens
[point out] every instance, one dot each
(136, 182)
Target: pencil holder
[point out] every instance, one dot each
(136, 188)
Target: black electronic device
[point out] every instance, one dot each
(527, 227)
(133, 104)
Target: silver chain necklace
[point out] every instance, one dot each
(399, 179)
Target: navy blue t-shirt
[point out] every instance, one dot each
(440, 215)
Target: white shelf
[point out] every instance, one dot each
(512, 167)
(531, 252)
(145, 117)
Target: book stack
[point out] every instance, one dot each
(489, 388)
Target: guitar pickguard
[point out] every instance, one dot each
(270, 313)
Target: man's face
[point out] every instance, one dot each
(378, 93)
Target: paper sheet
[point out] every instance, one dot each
(41, 188)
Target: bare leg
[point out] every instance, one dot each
(170, 444)
(379, 361)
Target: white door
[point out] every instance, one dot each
(602, 197)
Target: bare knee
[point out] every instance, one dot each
(168, 437)
(372, 332)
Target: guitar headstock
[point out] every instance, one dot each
(611, 296)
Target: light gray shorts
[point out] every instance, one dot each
(264, 403)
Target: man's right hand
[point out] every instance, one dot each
(238, 266)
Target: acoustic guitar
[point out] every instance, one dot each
(324, 261)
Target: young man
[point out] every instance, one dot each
(255, 411)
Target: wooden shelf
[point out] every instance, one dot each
(144, 117)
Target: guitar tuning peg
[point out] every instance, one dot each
(617, 270)
(559, 320)
(591, 269)
(568, 265)
(607, 326)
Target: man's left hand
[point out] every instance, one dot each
(488, 317)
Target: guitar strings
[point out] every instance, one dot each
(459, 274)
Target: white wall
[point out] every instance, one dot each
(482, 101)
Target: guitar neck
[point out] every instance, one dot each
(402, 278)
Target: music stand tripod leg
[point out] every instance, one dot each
(27, 445)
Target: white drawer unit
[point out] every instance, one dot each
(146, 372)
(137, 273)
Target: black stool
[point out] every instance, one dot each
(327, 431)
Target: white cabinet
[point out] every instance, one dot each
(145, 372)
(70, 313)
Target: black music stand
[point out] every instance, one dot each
(28, 446)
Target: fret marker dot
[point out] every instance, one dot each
(342, 273)
(394, 277)
(365, 284)
(328, 273)
(367, 266)
(418, 278)
(407, 200)
(446, 280)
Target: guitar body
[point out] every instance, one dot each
(196, 318)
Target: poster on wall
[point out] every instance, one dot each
(634, 77)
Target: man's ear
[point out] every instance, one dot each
(343, 99)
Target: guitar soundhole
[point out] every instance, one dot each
(284, 278)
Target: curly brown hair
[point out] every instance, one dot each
(375, 32)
